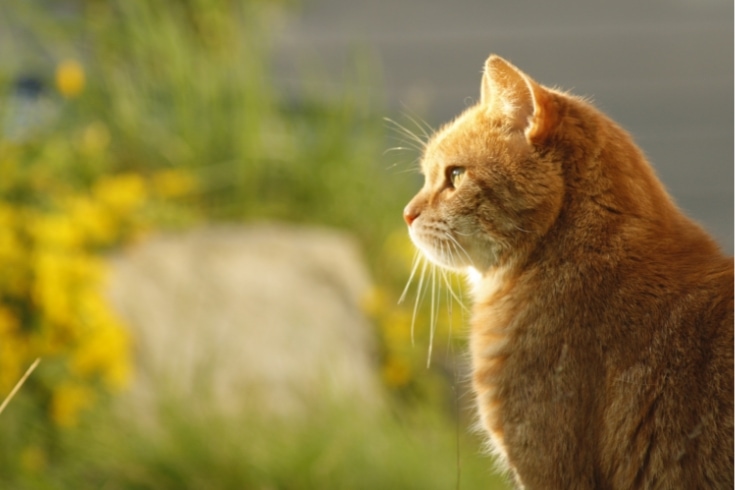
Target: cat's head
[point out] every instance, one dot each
(492, 188)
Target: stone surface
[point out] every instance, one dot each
(264, 318)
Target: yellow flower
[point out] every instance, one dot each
(70, 78)
(8, 321)
(173, 183)
(60, 278)
(50, 292)
(397, 326)
(13, 354)
(104, 349)
(10, 248)
(54, 231)
(93, 221)
(68, 400)
(396, 373)
(123, 194)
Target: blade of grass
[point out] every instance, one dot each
(19, 384)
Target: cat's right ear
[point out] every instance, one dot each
(510, 93)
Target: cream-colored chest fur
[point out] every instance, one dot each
(489, 339)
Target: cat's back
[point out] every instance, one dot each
(675, 402)
(663, 310)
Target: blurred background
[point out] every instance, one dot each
(201, 233)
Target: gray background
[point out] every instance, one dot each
(661, 68)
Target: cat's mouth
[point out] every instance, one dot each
(440, 248)
(453, 249)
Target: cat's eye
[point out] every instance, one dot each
(455, 175)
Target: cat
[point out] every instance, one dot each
(601, 336)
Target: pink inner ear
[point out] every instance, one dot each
(545, 114)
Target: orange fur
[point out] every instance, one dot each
(602, 331)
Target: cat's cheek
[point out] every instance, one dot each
(423, 240)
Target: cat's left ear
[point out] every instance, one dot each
(526, 105)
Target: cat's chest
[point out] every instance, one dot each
(490, 348)
(518, 370)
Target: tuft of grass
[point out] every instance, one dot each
(192, 447)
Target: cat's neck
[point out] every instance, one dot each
(486, 284)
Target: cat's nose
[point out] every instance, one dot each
(410, 213)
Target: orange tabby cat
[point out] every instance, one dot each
(602, 330)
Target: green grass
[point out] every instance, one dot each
(186, 444)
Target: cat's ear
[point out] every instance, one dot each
(510, 93)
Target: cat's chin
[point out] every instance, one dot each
(453, 255)
(441, 262)
(435, 255)
(450, 262)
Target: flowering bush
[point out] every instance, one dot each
(52, 303)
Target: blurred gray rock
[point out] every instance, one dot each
(261, 318)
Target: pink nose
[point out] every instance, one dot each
(410, 214)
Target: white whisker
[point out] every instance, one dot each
(400, 128)
(398, 148)
(450, 291)
(424, 127)
(450, 315)
(458, 246)
(410, 170)
(447, 250)
(410, 146)
(418, 300)
(417, 258)
(432, 315)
